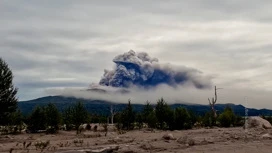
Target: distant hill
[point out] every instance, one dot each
(93, 106)
(102, 107)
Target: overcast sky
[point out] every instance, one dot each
(68, 43)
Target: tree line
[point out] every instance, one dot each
(161, 116)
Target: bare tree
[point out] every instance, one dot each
(214, 99)
(113, 113)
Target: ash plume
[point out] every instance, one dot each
(140, 70)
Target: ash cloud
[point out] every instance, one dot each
(140, 70)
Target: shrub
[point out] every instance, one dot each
(88, 127)
(139, 120)
(164, 114)
(182, 119)
(227, 118)
(95, 128)
(128, 117)
(146, 111)
(53, 118)
(51, 130)
(37, 120)
(75, 115)
(208, 119)
(151, 120)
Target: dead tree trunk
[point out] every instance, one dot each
(212, 103)
(112, 111)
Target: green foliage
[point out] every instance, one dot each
(128, 117)
(183, 119)
(118, 120)
(37, 120)
(139, 120)
(149, 116)
(80, 114)
(227, 118)
(103, 119)
(75, 115)
(164, 114)
(67, 116)
(98, 119)
(8, 99)
(44, 118)
(16, 120)
(147, 110)
(208, 119)
(193, 117)
(170, 121)
(151, 120)
(53, 118)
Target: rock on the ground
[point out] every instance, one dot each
(182, 140)
(169, 136)
(207, 141)
(187, 141)
(195, 141)
(145, 146)
(191, 142)
(258, 122)
(266, 136)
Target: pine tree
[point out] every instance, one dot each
(128, 117)
(227, 118)
(182, 119)
(76, 115)
(80, 115)
(37, 120)
(164, 114)
(8, 99)
(148, 109)
(53, 118)
(151, 120)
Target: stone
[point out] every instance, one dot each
(191, 142)
(266, 136)
(145, 147)
(258, 122)
(169, 136)
(207, 141)
(182, 140)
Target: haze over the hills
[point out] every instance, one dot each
(64, 46)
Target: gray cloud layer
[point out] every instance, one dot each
(65, 43)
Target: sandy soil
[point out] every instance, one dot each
(221, 140)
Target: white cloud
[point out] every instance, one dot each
(228, 40)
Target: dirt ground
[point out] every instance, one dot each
(216, 140)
